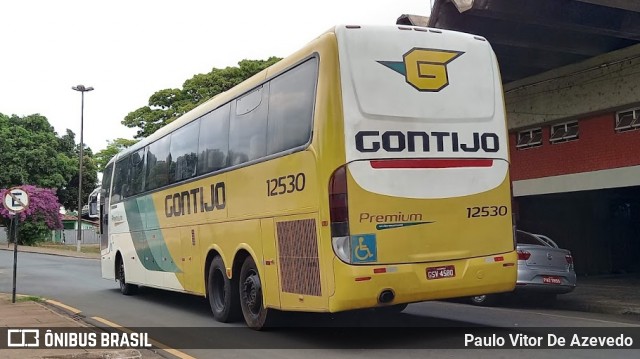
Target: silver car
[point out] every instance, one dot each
(544, 269)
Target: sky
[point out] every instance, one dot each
(127, 50)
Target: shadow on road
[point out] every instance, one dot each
(352, 329)
(516, 300)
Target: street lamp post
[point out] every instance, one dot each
(82, 90)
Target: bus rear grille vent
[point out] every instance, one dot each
(299, 264)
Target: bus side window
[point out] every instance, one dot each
(158, 159)
(136, 182)
(213, 144)
(256, 147)
(120, 179)
(105, 192)
(248, 126)
(291, 100)
(183, 149)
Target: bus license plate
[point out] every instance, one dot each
(551, 280)
(441, 272)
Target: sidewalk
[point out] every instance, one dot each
(610, 294)
(52, 251)
(26, 313)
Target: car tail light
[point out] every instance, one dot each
(523, 255)
(339, 214)
(569, 259)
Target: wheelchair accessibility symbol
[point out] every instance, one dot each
(363, 248)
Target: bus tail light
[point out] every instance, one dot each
(339, 213)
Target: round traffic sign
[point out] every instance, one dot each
(16, 200)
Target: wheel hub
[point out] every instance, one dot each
(252, 290)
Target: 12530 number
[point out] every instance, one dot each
(487, 211)
(286, 184)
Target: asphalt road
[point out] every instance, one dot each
(181, 320)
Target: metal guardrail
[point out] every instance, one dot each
(89, 236)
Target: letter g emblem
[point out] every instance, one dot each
(427, 69)
(424, 69)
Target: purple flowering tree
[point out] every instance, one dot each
(41, 216)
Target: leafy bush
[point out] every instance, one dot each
(41, 216)
(32, 231)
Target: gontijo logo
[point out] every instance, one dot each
(424, 69)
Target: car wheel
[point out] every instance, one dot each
(482, 300)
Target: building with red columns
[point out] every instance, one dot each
(571, 77)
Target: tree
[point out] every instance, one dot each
(41, 216)
(169, 104)
(32, 152)
(68, 194)
(68, 143)
(113, 148)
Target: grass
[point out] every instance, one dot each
(28, 298)
(21, 298)
(85, 248)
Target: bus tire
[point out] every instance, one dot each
(255, 314)
(125, 288)
(222, 292)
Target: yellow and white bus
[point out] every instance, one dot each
(367, 170)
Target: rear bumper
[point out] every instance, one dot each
(532, 280)
(543, 288)
(358, 286)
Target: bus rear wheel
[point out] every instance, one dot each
(125, 288)
(251, 298)
(222, 293)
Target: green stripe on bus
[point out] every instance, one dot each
(149, 244)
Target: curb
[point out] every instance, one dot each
(54, 252)
(78, 316)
